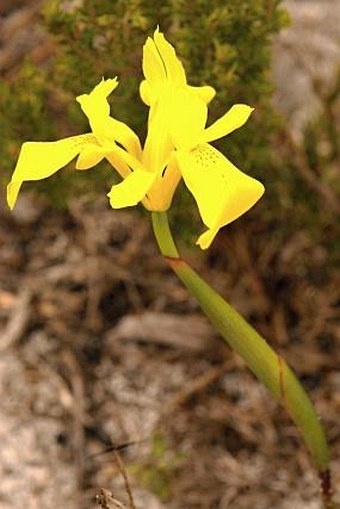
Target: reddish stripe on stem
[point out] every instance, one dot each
(326, 488)
(174, 261)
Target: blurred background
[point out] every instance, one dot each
(100, 344)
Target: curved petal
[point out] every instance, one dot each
(39, 160)
(132, 190)
(146, 93)
(160, 65)
(205, 240)
(163, 188)
(222, 192)
(229, 122)
(89, 157)
(158, 145)
(118, 163)
(105, 128)
(173, 66)
(95, 103)
(186, 115)
(206, 93)
(114, 130)
(153, 66)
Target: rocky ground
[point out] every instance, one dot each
(306, 59)
(102, 346)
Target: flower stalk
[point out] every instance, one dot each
(269, 367)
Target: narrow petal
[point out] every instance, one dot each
(236, 117)
(114, 130)
(158, 145)
(39, 160)
(132, 190)
(186, 116)
(95, 103)
(160, 65)
(124, 162)
(172, 64)
(222, 192)
(163, 188)
(118, 163)
(153, 66)
(134, 163)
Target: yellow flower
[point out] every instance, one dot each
(177, 145)
(39, 160)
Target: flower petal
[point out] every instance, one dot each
(118, 163)
(107, 129)
(222, 192)
(205, 240)
(132, 190)
(158, 145)
(173, 66)
(146, 93)
(95, 103)
(89, 157)
(114, 130)
(233, 119)
(153, 65)
(206, 93)
(93, 154)
(160, 194)
(160, 65)
(39, 160)
(186, 115)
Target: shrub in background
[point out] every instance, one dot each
(224, 43)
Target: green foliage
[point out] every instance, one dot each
(157, 473)
(224, 43)
(23, 115)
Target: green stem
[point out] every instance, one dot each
(163, 235)
(269, 367)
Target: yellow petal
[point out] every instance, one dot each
(113, 130)
(233, 119)
(160, 194)
(39, 160)
(160, 65)
(222, 192)
(132, 190)
(153, 66)
(204, 241)
(89, 157)
(173, 66)
(118, 163)
(186, 117)
(206, 93)
(124, 162)
(107, 129)
(158, 145)
(145, 92)
(95, 103)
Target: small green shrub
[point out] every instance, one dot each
(224, 43)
